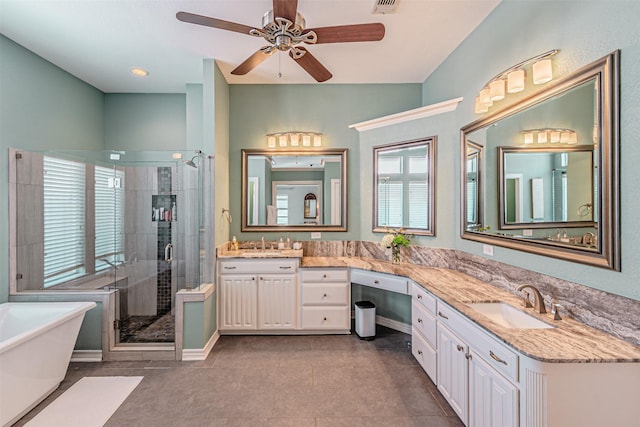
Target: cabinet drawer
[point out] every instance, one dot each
(497, 355)
(325, 275)
(326, 318)
(423, 322)
(454, 320)
(283, 265)
(420, 295)
(424, 354)
(386, 282)
(325, 293)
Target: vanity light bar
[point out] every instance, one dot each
(512, 80)
(553, 136)
(294, 139)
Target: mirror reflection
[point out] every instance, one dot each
(541, 176)
(294, 190)
(540, 187)
(404, 187)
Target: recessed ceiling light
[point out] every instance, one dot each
(139, 72)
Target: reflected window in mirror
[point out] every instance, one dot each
(404, 187)
(539, 192)
(473, 184)
(294, 190)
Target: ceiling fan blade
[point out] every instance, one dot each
(253, 61)
(311, 64)
(349, 33)
(285, 9)
(207, 21)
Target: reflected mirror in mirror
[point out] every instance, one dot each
(546, 187)
(404, 176)
(524, 187)
(294, 190)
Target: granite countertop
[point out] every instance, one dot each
(569, 342)
(258, 253)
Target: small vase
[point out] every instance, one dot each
(395, 254)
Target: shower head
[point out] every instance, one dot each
(190, 162)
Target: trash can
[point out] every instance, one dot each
(365, 320)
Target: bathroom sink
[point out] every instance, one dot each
(508, 316)
(267, 253)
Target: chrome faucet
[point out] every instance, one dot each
(538, 303)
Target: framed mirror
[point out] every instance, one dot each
(525, 186)
(291, 190)
(404, 187)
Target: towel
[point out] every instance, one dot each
(272, 215)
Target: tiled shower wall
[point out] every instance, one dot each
(614, 314)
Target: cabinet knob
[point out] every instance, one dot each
(324, 296)
(460, 348)
(419, 320)
(324, 320)
(324, 276)
(419, 296)
(376, 282)
(420, 352)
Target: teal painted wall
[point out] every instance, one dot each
(193, 325)
(388, 304)
(584, 31)
(41, 107)
(199, 322)
(256, 110)
(145, 121)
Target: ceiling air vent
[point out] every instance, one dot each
(385, 6)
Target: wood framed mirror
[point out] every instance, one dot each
(294, 190)
(546, 212)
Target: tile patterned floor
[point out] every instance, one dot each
(319, 381)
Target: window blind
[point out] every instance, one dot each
(390, 202)
(282, 206)
(418, 204)
(109, 216)
(64, 219)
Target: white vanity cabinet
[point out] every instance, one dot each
(325, 298)
(238, 298)
(258, 294)
(277, 305)
(423, 329)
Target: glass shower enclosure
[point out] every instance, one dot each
(128, 222)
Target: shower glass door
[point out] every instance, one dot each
(105, 221)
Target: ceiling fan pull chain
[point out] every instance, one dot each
(280, 64)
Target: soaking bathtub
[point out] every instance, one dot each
(36, 343)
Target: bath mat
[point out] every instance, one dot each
(89, 402)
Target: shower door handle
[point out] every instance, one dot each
(168, 253)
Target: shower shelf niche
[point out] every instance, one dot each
(163, 208)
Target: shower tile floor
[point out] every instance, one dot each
(148, 329)
(321, 381)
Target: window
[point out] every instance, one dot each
(282, 206)
(404, 186)
(64, 220)
(109, 217)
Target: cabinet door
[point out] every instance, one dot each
(277, 301)
(453, 371)
(238, 301)
(493, 399)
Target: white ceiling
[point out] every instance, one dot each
(98, 41)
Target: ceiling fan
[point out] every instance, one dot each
(284, 28)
